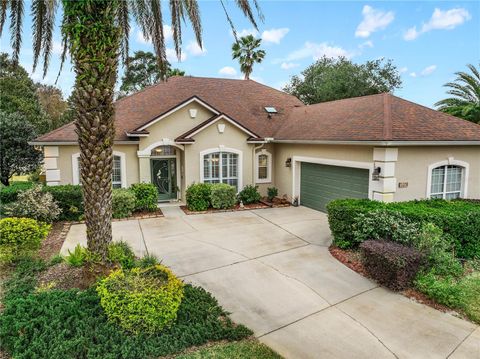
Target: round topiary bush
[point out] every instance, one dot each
(142, 300)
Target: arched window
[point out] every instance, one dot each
(221, 167)
(447, 182)
(263, 167)
(163, 151)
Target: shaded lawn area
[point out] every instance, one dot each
(247, 349)
(42, 323)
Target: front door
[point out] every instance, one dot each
(164, 174)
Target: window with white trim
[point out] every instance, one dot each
(447, 182)
(116, 171)
(263, 167)
(221, 167)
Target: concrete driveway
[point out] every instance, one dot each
(272, 270)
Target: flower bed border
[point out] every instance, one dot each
(237, 208)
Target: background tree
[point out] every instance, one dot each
(142, 71)
(246, 50)
(52, 103)
(16, 155)
(331, 79)
(96, 33)
(465, 90)
(18, 94)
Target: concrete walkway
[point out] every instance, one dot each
(272, 270)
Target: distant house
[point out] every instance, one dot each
(240, 132)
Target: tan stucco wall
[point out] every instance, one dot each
(283, 174)
(211, 138)
(262, 187)
(65, 162)
(413, 162)
(175, 124)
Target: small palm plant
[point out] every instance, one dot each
(246, 50)
(466, 91)
(95, 33)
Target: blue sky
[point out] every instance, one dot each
(428, 41)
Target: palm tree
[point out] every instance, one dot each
(95, 32)
(245, 50)
(466, 91)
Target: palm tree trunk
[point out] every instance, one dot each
(94, 46)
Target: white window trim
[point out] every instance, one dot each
(296, 171)
(269, 166)
(224, 149)
(451, 161)
(123, 168)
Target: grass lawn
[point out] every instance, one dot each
(247, 349)
(39, 322)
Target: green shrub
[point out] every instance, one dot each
(459, 220)
(9, 193)
(141, 300)
(384, 225)
(146, 196)
(122, 253)
(249, 194)
(73, 324)
(123, 203)
(20, 237)
(342, 214)
(78, 257)
(272, 192)
(70, 199)
(223, 196)
(198, 196)
(147, 260)
(35, 204)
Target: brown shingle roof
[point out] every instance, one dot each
(380, 117)
(242, 100)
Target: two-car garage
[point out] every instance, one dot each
(320, 184)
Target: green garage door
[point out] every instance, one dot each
(319, 184)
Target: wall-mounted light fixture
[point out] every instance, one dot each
(288, 162)
(376, 174)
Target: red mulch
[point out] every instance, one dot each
(276, 202)
(237, 207)
(54, 241)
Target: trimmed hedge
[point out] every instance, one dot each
(70, 200)
(459, 220)
(198, 196)
(146, 195)
(123, 203)
(9, 193)
(391, 264)
(249, 194)
(223, 196)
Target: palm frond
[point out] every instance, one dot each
(63, 57)
(176, 13)
(474, 71)
(193, 13)
(157, 35)
(229, 19)
(123, 20)
(16, 19)
(49, 23)
(38, 10)
(3, 14)
(244, 5)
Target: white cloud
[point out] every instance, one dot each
(373, 20)
(245, 32)
(428, 70)
(440, 20)
(274, 36)
(403, 70)
(195, 50)
(315, 51)
(368, 43)
(413, 74)
(172, 55)
(57, 47)
(288, 65)
(228, 71)
(167, 34)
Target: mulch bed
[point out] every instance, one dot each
(53, 243)
(352, 259)
(137, 215)
(264, 203)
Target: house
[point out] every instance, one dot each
(240, 132)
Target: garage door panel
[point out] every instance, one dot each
(320, 184)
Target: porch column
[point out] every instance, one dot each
(385, 158)
(144, 169)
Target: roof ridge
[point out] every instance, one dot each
(387, 116)
(347, 98)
